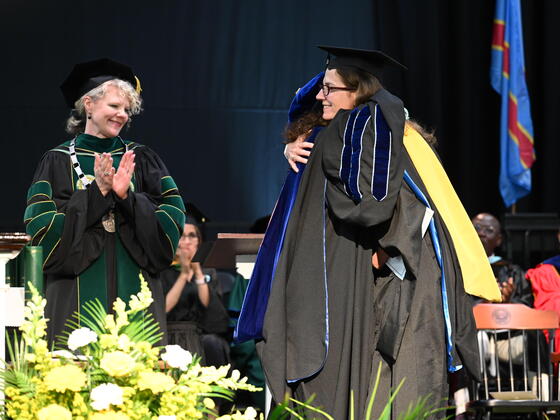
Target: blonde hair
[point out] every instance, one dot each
(76, 123)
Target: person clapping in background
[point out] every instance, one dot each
(510, 277)
(196, 317)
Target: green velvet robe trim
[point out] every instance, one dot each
(93, 280)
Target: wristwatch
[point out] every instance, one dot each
(206, 279)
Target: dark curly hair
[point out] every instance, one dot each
(305, 123)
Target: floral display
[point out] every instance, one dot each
(112, 369)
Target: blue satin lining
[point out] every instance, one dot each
(255, 302)
(352, 152)
(381, 156)
(555, 261)
(451, 366)
(305, 98)
(357, 134)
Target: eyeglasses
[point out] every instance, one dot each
(192, 236)
(328, 89)
(487, 230)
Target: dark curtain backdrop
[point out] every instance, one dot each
(218, 77)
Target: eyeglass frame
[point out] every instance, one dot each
(487, 230)
(330, 88)
(191, 235)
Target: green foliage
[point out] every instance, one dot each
(421, 409)
(292, 408)
(142, 325)
(108, 365)
(20, 374)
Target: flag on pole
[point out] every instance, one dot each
(507, 76)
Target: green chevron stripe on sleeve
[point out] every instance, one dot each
(51, 238)
(167, 185)
(176, 214)
(39, 188)
(38, 208)
(39, 222)
(169, 226)
(174, 200)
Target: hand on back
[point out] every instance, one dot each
(298, 151)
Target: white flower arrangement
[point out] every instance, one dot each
(111, 370)
(176, 357)
(105, 395)
(80, 338)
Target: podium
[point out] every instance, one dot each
(234, 251)
(12, 299)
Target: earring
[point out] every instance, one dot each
(89, 116)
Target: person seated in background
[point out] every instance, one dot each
(510, 277)
(545, 280)
(514, 288)
(196, 317)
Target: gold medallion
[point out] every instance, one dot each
(80, 185)
(109, 221)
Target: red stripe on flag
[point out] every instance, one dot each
(498, 34)
(520, 136)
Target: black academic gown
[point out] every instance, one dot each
(328, 308)
(82, 259)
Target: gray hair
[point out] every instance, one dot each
(76, 123)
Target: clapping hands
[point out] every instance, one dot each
(108, 179)
(506, 288)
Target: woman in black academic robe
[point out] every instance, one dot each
(196, 317)
(104, 209)
(358, 278)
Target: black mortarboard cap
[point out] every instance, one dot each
(195, 216)
(370, 61)
(87, 76)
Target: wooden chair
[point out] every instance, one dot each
(512, 394)
(555, 360)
